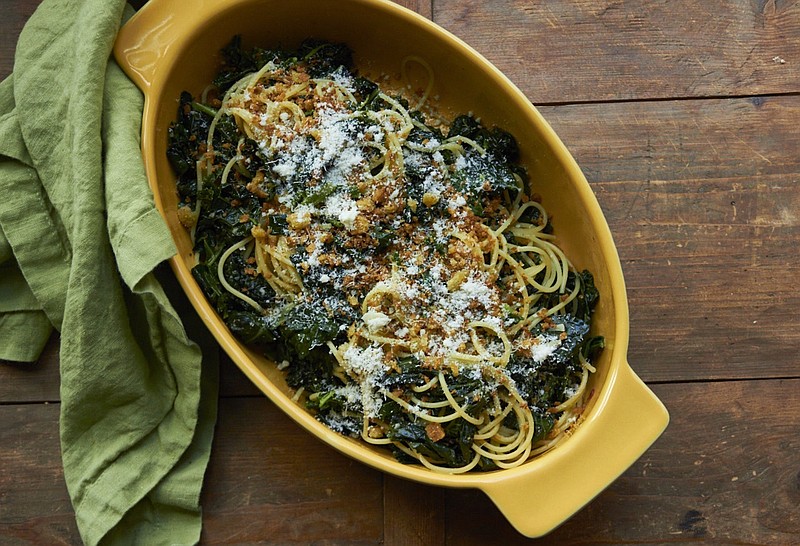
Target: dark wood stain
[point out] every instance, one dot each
(693, 523)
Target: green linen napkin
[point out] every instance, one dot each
(79, 242)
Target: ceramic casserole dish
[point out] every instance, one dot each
(173, 45)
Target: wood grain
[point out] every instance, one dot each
(269, 478)
(15, 15)
(414, 514)
(585, 50)
(23, 382)
(423, 7)
(727, 471)
(34, 504)
(701, 197)
(685, 118)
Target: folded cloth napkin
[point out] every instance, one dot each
(79, 241)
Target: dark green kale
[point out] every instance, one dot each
(575, 330)
(592, 346)
(383, 238)
(228, 214)
(532, 215)
(237, 63)
(306, 326)
(404, 428)
(544, 383)
(185, 136)
(365, 91)
(324, 58)
(495, 141)
(328, 401)
(205, 274)
(413, 435)
(461, 433)
(454, 448)
(347, 424)
(421, 134)
(584, 304)
(411, 374)
(588, 296)
(543, 422)
(277, 223)
(243, 277)
(316, 195)
(250, 327)
(479, 176)
(245, 322)
(314, 372)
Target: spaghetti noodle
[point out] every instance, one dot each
(409, 276)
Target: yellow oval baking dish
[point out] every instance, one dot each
(172, 45)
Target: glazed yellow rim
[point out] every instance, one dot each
(625, 417)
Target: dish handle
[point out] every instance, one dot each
(628, 420)
(149, 38)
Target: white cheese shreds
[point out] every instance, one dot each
(367, 365)
(284, 169)
(348, 218)
(375, 320)
(546, 347)
(398, 249)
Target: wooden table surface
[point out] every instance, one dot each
(685, 118)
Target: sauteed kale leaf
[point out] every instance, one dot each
(300, 331)
(230, 211)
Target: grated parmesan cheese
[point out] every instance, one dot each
(375, 320)
(546, 347)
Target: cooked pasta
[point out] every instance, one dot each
(405, 273)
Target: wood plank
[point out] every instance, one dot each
(701, 197)
(22, 382)
(271, 482)
(267, 480)
(232, 381)
(15, 15)
(413, 513)
(588, 50)
(34, 503)
(423, 7)
(683, 140)
(726, 471)
(690, 189)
